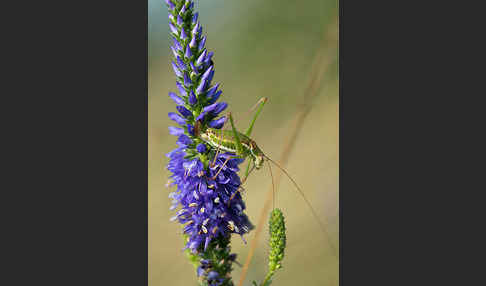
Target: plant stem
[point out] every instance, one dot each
(269, 275)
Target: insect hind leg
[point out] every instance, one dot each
(220, 139)
(260, 103)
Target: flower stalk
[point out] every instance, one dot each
(204, 189)
(278, 241)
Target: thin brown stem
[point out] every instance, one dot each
(320, 64)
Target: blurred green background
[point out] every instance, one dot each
(262, 48)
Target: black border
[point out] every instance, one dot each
(79, 144)
(76, 158)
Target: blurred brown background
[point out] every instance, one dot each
(262, 48)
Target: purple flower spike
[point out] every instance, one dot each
(213, 275)
(173, 29)
(183, 34)
(193, 42)
(207, 73)
(215, 97)
(184, 140)
(212, 90)
(187, 80)
(170, 4)
(176, 70)
(177, 45)
(194, 69)
(220, 107)
(206, 110)
(202, 43)
(201, 148)
(206, 242)
(176, 99)
(182, 90)
(200, 271)
(192, 98)
(184, 111)
(201, 87)
(177, 131)
(208, 58)
(210, 77)
(188, 53)
(181, 63)
(201, 116)
(177, 118)
(218, 123)
(210, 108)
(174, 51)
(190, 129)
(207, 215)
(201, 58)
(194, 30)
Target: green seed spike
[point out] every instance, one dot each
(278, 241)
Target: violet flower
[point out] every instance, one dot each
(203, 193)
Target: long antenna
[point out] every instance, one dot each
(273, 186)
(324, 57)
(314, 213)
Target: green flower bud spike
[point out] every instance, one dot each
(277, 244)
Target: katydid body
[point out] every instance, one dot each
(225, 140)
(244, 147)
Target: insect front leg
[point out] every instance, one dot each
(260, 103)
(222, 166)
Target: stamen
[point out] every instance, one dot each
(204, 229)
(192, 205)
(231, 225)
